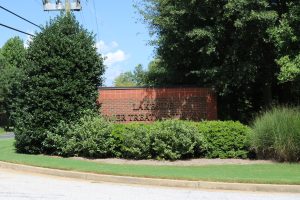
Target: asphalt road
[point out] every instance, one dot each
(7, 136)
(22, 186)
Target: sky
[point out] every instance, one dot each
(121, 36)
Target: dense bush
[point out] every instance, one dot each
(277, 134)
(133, 139)
(62, 78)
(225, 139)
(173, 139)
(89, 137)
(93, 136)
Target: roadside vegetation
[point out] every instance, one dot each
(2, 131)
(261, 173)
(95, 137)
(274, 135)
(249, 56)
(63, 73)
(277, 134)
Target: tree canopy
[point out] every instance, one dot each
(131, 79)
(238, 47)
(125, 79)
(12, 61)
(63, 74)
(285, 37)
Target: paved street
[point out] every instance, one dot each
(21, 186)
(7, 136)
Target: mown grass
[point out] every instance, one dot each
(2, 131)
(261, 173)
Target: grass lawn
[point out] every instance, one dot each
(2, 131)
(260, 173)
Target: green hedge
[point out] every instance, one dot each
(133, 141)
(89, 137)
(93, 136)
(277, 134)
(174, 139)
(225, 139)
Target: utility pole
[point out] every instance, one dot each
(58, 5)
(68, 7)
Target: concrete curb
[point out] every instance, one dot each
(154, 182)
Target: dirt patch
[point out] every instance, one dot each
(192, 162)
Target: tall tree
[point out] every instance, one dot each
(63, 73)
(131, 79)
(286, 38)
(221, 44)
(12, 61)
(125, 79)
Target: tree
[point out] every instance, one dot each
(14, 52)
(139, 75)
(12, 61)
(225, 45)
(156, 75)
(286, 37)
(125, 79)
(131, 79)
(62, 78)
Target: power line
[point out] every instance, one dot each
(96, 20)
(9, 27)
(20, 17)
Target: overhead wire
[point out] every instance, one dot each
(20, 17)
(96, 18)
(93, 11)
(15, 29)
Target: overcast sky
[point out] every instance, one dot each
(121, 37)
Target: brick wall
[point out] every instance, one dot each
(150, 104)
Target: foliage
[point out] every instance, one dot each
(232, 46)
(277, 134)
(125, 79)
(156, 74)
(89, 137)
(12, 61)
(131, 79)
(63, 74)
(290, 69)
(173, 139)
(139, 75)
(2, 130)
(275, 173)
(14, 52)
(93, 136)
(134, 140)
(286, 36)
(226, 139)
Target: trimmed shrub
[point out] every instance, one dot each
(224, 139)
(134, 140)
(93, 136)
(89, 137)
(173, 139)
(277, 134)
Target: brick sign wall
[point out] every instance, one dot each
(150, 104)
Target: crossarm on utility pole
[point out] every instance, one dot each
(58, 5)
